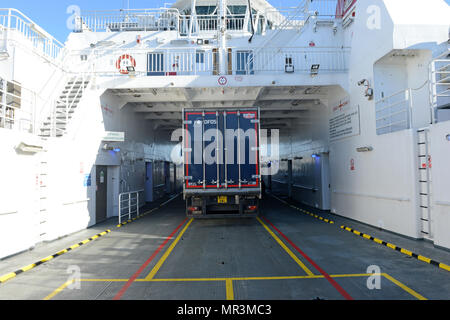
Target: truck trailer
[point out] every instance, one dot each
(221, 154)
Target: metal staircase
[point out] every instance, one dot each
(56, 124)
(425, 192)
(440, 87)
(301, 12)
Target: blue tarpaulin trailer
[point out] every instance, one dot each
(221, 162)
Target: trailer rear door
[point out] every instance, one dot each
(221, 149)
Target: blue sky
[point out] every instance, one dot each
(52, 16)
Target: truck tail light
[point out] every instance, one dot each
(252, 208)
(192, 209)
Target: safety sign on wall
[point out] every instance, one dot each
(344, 121)
(87, 180)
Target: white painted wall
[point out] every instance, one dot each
(381, 191)
(19, 194)
(440, 150)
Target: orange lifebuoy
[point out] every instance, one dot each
(121, 66)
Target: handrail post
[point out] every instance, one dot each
(129, 206)
(120, 209)
(410, 113)
(137, 203)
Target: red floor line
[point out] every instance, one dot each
(146, 263)
(331, 280)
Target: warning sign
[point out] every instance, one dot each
(344, 121)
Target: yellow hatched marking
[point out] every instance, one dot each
(444, 266)
(424, 259)
(229, 287)
(390, 245)
(29, 267)
(7, 277)
(401, 285)
(167, 253)
(47, 259)
(407, 252)
(289, 252)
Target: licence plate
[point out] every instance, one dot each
(222, 199)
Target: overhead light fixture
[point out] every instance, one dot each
(315, 69)
(107, 147)
(364, 149)
(23, 147)
(315, 156)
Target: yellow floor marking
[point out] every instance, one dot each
(47, 259)
(353, 275)
(61, 288)
(167, 253)
(293, 256)
(407, 252)
(444, 266)
(401, 285)
(8, 276)
(229, 282)
(104, 280)
(29, 267)
(232, 279)
(424, 259)
(229, 287)
(390, 245)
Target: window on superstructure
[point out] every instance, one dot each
(200, 56)
(10, 101)
(236, 17)
(205, 10)
(244, 62)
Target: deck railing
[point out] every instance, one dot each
(18, 26)
(128, 20)
(171, 19)
(394, 113)
(192, 61)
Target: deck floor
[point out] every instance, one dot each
(281, 255)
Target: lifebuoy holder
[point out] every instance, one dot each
(125, 61)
